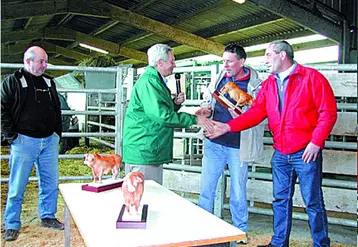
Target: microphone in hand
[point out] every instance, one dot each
(177, 80)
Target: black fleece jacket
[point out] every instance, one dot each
(13, 99)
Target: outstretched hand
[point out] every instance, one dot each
(205, 123)
(310, 152)
(218, 130)
(206, 112)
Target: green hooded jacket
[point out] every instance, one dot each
(150, 120)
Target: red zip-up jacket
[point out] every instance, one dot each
(308, 115)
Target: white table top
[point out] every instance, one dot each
(172, 220)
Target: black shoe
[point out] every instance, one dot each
(242, 241)
(267, 245)
(52, 223)
(11, 234)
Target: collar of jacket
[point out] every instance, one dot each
(300, 69)
(19, 75)
(151, 70)
(254, 81)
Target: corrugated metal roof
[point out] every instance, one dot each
(65, 23)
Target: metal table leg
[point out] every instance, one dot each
(67, 227)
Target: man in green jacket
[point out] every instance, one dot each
(152, 115)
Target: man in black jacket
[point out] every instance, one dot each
(31, 124)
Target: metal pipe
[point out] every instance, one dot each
(347, 106)
(302, 216)
(265, 176)
(192, 69)
(295, 215)
(103, 108)
(112, 127)
(257, 175)
(87, 90)
(63, 178)
(61, 156)
(60, 67)
(88, 134)
(269, 140)
(108, 144)
(329, 144)
(343, 67)
(185, 135)
(172, 166)
(339, 67)
(110, 113)
(119, 118)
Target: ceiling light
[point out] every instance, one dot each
(240, 1)
(93, 48)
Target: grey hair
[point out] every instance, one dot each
(157, 52)
(30, 54)
(282, 45)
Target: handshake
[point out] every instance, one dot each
(212, 129)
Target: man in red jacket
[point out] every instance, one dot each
(301, 111)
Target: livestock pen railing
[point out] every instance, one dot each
(339, 168)
(119, 91)
(183, 175)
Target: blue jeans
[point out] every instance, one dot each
(285, 170)
(26, 151)
(215, 158)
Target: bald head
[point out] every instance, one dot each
(35, 60)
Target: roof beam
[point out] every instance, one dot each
(104, 27)
(17, 58)
(298, 47)
(17, 48)
(69, 34)
(64, 51)
(109, 46)
(7, 37)
(286, 9)
(11, 58)
(142, 5)
(238, 25)
(129, 18)
(27, 23)
(20, 47)
(112, 23)
(209, 7)
(27, 10)
(246, 43)
(269, 38)
(175, 22)
(139, 6)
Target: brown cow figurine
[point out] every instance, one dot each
(103, 165)
(132, 188)
(237, 94)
